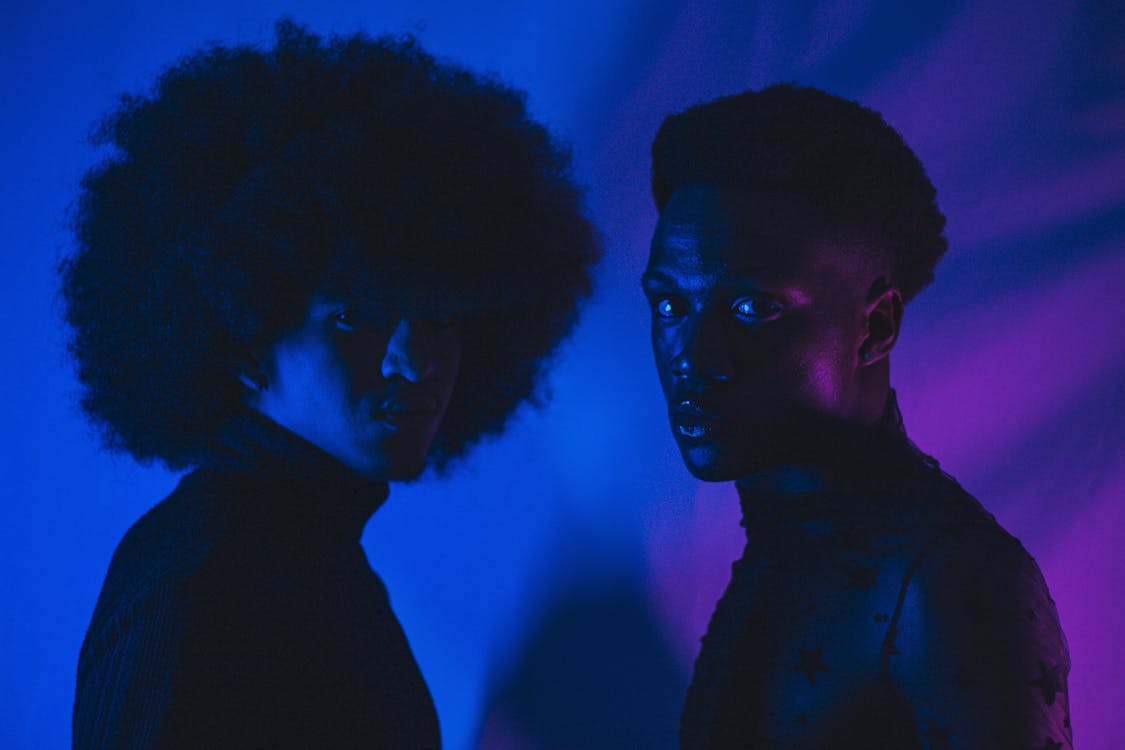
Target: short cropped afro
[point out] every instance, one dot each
(843, 158)
(249, 178)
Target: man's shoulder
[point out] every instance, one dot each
(978, 644)
(165, 548)
(944, 506)
(176, 533)
(972, 578)
(962, 556)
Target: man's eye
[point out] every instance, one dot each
(666, 307)
(345, 320)
(755, 308)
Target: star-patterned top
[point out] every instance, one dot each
(889, 610)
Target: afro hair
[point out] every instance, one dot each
(249, 179)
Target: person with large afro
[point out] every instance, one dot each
(877, 604)
(300, 272)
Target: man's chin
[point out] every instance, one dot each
(808, 438)
(388, 468)
(405, 468)
(711, 463)
(709, 472)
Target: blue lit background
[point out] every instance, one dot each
(555, 588)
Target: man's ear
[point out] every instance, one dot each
(251, 373)
(882, 318)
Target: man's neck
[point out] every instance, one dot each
(875, 389)
(831, 456)
(786, 480)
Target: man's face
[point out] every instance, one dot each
(369, 391)
(757, 323)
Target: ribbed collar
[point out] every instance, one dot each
(294, 482)
(862, 471)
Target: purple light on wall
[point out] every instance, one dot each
(975, 381)
(1087, 577)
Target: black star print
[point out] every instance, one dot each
(1030, 614)
(811, 663)
(937, 737)
(1049, 682)
(882, 617)
(861, 576)
(1050, 744)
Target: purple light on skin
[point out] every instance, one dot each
(976, 383)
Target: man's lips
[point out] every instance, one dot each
(693, 419)
(406, 407)
(693, 408)
(419, 406)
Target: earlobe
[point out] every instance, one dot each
(883, 317)
(256, 382)
(252, 374)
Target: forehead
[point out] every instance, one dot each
(711, 230)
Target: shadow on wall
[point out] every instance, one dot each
(594, 674)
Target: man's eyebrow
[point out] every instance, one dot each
(657, 277)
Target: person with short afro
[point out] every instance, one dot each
(876, 604)
(301, 271)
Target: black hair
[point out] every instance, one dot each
(843, 158)
(249, 178)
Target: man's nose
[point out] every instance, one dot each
(703, 351)
(409, 352)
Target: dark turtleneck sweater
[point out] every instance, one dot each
(241, 612)
(885, 609)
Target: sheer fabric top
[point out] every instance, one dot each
(887, 609)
